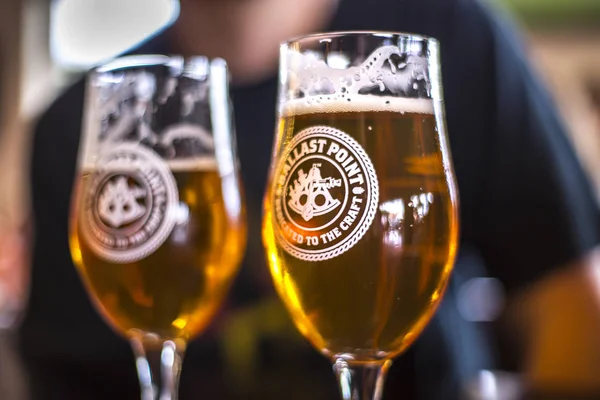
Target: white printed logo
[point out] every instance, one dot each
(325, 195)
(128, 205)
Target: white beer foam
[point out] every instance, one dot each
(356, 103)
(196, 164)
(177, 165)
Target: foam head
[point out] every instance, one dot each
(356, 103)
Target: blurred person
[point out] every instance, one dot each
(14, 272)
(527, 209)
(14, 268)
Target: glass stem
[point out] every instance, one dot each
(363, 381)
(158, 366)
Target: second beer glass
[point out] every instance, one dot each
(158, 219)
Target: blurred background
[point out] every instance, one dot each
(45, 45)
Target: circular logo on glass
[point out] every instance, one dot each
(325, 194)
(128, 205)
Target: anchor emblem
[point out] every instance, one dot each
(310, 196)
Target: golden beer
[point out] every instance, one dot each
(371, 301)
(175, 291)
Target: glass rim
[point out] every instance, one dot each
(176, 61)
(356, 33)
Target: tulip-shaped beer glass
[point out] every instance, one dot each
(361, 212)
(158, 218)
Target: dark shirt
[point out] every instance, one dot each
(526, 207)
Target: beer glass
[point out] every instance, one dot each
(361, 210)
(158, 219)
